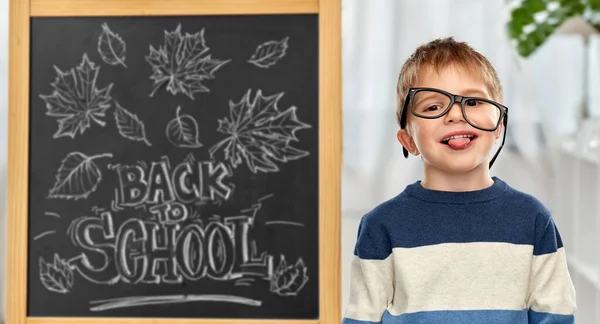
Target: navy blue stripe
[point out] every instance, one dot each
(549, 240)
(547, 318)
(454, 317)
(471, 317)
(405, 221)
(372, 246)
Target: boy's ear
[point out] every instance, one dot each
(498, 132)
(407, 141)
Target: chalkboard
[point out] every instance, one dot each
(174, 167)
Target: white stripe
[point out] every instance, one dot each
(462, 276)
(552, 287)
(450, 276)
(371, 288)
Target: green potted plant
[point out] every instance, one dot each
(530, 24)
(533, 21)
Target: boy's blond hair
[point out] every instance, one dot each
(439, 54)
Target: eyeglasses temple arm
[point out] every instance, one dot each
(503, 139)
(406, 101)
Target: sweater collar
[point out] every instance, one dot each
(416, 190)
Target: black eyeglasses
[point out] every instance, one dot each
(481, 113)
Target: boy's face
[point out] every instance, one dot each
(424, 136)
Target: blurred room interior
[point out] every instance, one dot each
(552, 149)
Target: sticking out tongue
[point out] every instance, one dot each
(458, 143)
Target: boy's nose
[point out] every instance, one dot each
(455, 113)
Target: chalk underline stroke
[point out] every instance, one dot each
(43, 234)
(284, 223)
(52, 214)
(123, 302)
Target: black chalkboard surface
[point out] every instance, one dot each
(174, 167)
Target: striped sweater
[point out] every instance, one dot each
(491, 256)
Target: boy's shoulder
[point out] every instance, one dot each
(529, 211)
(387, 209)
(527, 202)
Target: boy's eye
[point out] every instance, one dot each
(471, 103)
(432, 108)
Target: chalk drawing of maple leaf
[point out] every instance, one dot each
(288, 280)
(259, 133)
(76, 100)
(182, 63)
(57, 276)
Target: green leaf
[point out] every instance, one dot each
(545, 29)
(525, 47)
(594, 5)
(522, 16)
(561, 14)
(577, 8)
(537, 37)
(569, 8)
(534, 5)
(514, 29)
(567, 3)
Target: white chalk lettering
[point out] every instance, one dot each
(166, 249)
(187, 182)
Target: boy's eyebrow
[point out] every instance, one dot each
(475, 92)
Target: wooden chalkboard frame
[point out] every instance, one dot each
(21, 11)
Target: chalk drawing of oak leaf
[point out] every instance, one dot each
(57, 276)
(77, 177)
(182, 63)
(288, 280)
(259, 133)
(76, 100)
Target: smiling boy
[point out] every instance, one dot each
(460, 246)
